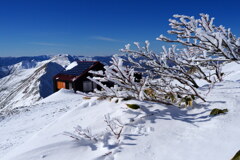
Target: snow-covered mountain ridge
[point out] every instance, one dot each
(7, 63)
(154, 131)
(29, 82)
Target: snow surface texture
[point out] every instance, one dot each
(153, 132)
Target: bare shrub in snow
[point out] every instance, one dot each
(111, 136)
(114, 126)
(80, 134)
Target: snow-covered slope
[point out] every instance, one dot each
(154, 131)
(25, 121)
(29, 82)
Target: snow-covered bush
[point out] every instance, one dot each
(171, 76)
(211, 45)
(159, 82)
(214, 41)
(123, 76)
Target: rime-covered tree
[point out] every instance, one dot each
(213, 41)
(123, 76)
(171, 76)
(161, 81)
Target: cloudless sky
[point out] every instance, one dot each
(97, 27)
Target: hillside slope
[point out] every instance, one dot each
(154, 131)
(29, 82)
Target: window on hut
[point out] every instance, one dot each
(70, 85)
(87, 86)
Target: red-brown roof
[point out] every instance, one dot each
(65, 77)
(68, 76)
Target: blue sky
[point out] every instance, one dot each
(97, 27)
